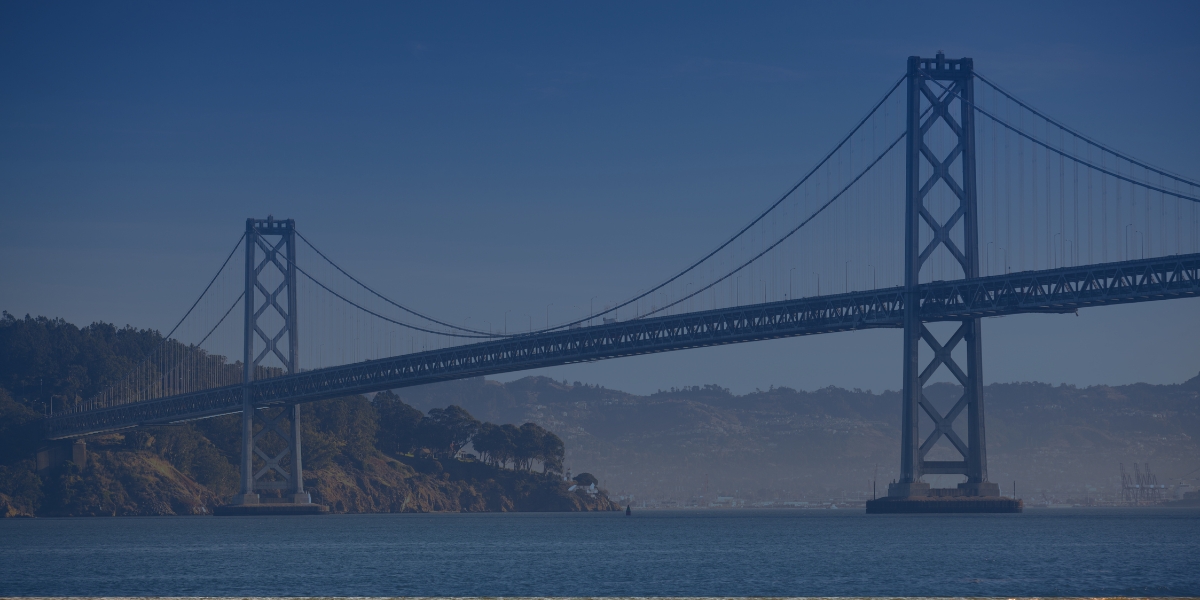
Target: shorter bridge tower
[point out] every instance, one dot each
(271, 451)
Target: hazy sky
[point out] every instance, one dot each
(473, 159)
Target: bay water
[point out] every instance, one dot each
(1058, 552)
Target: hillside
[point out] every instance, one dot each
(179, 471)
(377, 455)
(784, 444)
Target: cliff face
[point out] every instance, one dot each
(125, 483)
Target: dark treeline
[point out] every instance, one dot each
(47, 363)
(444, 433)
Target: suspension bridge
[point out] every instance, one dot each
(952, 200)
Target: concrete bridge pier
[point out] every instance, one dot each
(59, 452)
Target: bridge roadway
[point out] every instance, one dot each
(1055, 291)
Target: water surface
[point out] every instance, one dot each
(1084, 552)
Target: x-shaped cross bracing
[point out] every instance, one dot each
(272, 463)
(941, 172)
(271, 299)
(943, 425)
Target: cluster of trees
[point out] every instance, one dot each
(445, 432)
(502, 445)
(46, 362)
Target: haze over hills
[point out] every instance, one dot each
(1055, 442)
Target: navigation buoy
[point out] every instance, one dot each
(627, 510)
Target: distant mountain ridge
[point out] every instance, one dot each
(779, 444)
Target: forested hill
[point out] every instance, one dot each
(361, 455)
(45, 359)
(1056, 442)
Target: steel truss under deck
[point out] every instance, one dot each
(1054, 291)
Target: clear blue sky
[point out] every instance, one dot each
(474, 159)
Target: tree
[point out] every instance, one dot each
(528, 446)
(19, 430)
(586, 479)
(552, 452)
(447, 430)
(511, 434)
(43, 358)
(484, 442)
(350, 420)
(497, 445)
(399, 424)
(186, 448)
(492, 443)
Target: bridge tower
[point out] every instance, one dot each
(941, 154)
(271, 349)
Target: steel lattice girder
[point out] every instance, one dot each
(1057, 290)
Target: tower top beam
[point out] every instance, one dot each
(941, 68)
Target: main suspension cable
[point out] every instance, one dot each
(389, 300)
(743, 230)
(672, 279)
(1084, 137)
(785, 236)
(388, 319)
(1060, 152)
(167, 337)
(802, 224)
(223, 317)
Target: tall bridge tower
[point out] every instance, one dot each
(941, 153)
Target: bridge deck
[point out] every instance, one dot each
(1057, 290)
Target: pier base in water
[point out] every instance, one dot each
(918, 497)
(270, 508)
(249, 504)
(933, 504)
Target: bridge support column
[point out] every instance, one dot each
(949, 167)
(271, 453)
